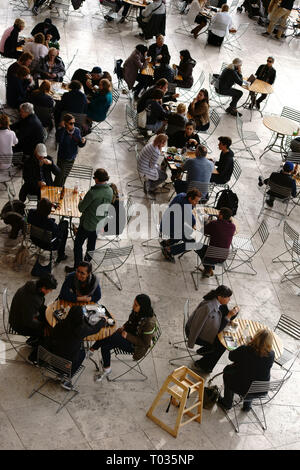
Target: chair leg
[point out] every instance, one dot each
(119, 286)
(136, 368)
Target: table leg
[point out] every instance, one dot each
(273, 145)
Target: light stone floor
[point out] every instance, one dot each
(112, 416)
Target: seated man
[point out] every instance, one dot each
(148, 163)
(28, 129)
(88, 79)
(48, 29)
(198, 169)
(24, 60)
(282, 178)
(178, 223)
(27, 311)
(39, 217)
(185, 138)
(221, 232)
(157, 7)
(231, 74)
(161, 84)
(266, 73)
(159, 51)
(37, 172)
(176, 122)
(81, 285)
(164, 71)
(224, 167)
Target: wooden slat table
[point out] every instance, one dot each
(103, 333)
(148, 70)
(69, 203)
(254, 326)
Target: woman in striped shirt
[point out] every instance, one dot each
(148, 163)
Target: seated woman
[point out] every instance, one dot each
(67, 337)
(100, 102)
(18, 85)
(250, 362)
(41, 98)
(81, 285)
(208, 319)
(134, 336)
(220, 25)
(156, 114)
(39, 217)
(148, 163)
(9, 41)
(176, 122)
(199, 110)
(185, 69)
(38, 48)
(51, 66)
(132, 65)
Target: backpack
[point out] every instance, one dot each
(118, 70)
(227, 198)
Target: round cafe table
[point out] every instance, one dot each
(254, 326)
(258, 86)
(282, 127)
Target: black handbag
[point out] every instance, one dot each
(210, 396)
(39, 270)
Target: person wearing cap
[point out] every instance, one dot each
(37, 172)
(88, 79)
(282, 178)
(90, 207)
(266, 73)
(231, 74)
(49, 30)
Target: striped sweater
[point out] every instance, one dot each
(147, 162)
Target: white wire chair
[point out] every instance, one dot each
(131, 132)
(220, 101)
(214, 119)
(138, 183)
(187, 94)
(190, 354)
(214, 256)
(293, 273)
(290, 327)
(115, 99)
(245, 137)
(232, 40)
(282, 194)
(289, 237)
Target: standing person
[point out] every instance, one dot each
(231, 74)
(37, 172)
(132, 65)
(28, 129)
(220, 25)
(100, 102)
(250, 362)
(27, 311)
(69, 139)
(148, 163)
(279, 11)
(206, 322)
(39, 217)
(8, 140)
(9, 41)
(133, 337)
(100, 194)
(81, 285)
(185, 69)
(267, 73)
(224, 167)
(199, 110)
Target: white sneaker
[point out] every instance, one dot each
(67, 385)
(103, 374)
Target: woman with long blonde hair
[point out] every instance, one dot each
(250, 362)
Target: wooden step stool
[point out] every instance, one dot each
(185, 382)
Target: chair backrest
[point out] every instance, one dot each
(263, 233)
(239, 126)
(131, 117)
(261, 389)
(41, 237)
(81, 172)
(204, 188)
(236, 173)
(223, 67)
(216, 253)
(289, 235)
(283, 192)
(233, 5)
(44, 114)
(288, 325)
(296, 253)
(291, 113)
(215, 118)
(54, 364)
(128, 206)
(242, 28)
(293, 157)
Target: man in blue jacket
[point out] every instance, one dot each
(81, 285)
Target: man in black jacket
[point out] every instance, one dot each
(48, 29)
(231, 74)
(28, 129)
(37, 172)
(159, 50)
(281, 178)
(27, 311)
(224, 167)
(266, 73)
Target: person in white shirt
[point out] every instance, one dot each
(157, 7)
(7, 140)
(148, 163)
(220, 25)
(37, 48)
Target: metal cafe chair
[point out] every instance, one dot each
(214, 119)
(293, 273)
(213, 253)
(187, 94)
(262, 393)
(110, 259)
(282, 195)
(293, 157)
(245, 137)
(232, 40)
(247, 248)
(56, 369)
(190, 354)
(289, 237)
(221, 101)
(138, 183)
(81, 172)
(290, 327)
(131, 132)
(115, 99)
(233, 6)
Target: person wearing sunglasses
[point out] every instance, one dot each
(266, 73)
(81, 285)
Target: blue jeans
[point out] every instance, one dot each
(80, 238)
(113, 341)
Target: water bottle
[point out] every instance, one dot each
(246, 334)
